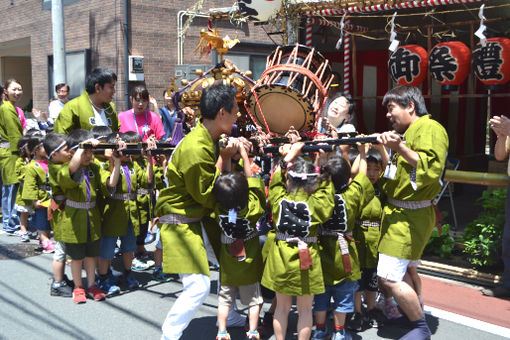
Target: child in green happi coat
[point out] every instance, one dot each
(80, 222)
(24, 208)
(36, 188)
(366, 234)
(144, 203)
(339, 256)
(241, 201)
(55, 145)
(300, 202)
(121, 215)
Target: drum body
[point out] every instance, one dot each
(291, 91)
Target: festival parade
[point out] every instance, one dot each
(255, 169)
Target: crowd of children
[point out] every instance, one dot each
(322, 244)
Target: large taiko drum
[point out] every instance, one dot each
(291, 91)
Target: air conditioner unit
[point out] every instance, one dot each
(136, 68)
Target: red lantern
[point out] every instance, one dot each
(449, 63)
(408, 65)
(491, 63)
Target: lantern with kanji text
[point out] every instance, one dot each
(408, 65)
(491, 64)
(449, 64)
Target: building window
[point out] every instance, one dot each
(77, 67)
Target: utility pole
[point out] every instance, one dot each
(292, 31)
(59, 42)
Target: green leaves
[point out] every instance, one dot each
(482, 237)
(441, 245)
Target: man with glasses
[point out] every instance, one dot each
(56, 105)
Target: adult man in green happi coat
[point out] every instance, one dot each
(411, 181)
(94, 107)
(184, 206)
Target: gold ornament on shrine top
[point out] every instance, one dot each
(212, 39)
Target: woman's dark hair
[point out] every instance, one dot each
(100, 131)
(231, 191)
(131, 137)
(52, 141)
(34, 142)
(373, 155)
(217, 97)
(340, 172)
(348, 97)
(99, 76)
(403, 95)
(309, 183)
(22, 143)
(77, 136)
(8, 83)
(140, 92)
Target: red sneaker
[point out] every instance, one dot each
(79, 295)
(95, 293)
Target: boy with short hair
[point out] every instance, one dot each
(121, 216)
(339, 257)
(80, 180)
(58, 154)
(241, 201)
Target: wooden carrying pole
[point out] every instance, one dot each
(478, 178)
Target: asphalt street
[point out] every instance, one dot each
(27, 311)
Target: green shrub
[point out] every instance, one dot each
(441, 245)
(482, 237)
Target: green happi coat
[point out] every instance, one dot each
(367, 237)
(20, 173)
(232, 271)
(36, 185)
(118, 213)
(191, 174)
(10, 131)
(79, 114)
(405, 232)
(159, 177)
(57, 195)
(73, 222)
(357, 195)
(144, 201)
(100, 198)
(282, 272)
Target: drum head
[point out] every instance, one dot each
(282, 109)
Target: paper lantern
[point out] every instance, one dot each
(449, 64)
(491, 63)
(408, 65)
(259, 10)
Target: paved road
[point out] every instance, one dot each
(27, 311)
